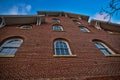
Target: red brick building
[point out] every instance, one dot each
(58, 46)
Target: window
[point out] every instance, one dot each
(9, 47)
(61, 47)
(76, 22)
(55, 20)
(26, 27)
(103, 48)
(57, 28)
(83, 29)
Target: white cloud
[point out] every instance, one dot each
(118, 22)
(19, 9)
(102, 17)
(28, 7)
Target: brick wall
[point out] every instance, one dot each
(35, 60)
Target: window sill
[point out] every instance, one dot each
(26, 28)
(85, 32)
(7, 56)
(66, 56)
(113, 55)
(58, 31)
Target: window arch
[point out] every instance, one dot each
(10, 46)
(83, 29)
(57, 28)
(76, 22)
(26, 26)
(55, 20)
(61, 47)
(103, 48)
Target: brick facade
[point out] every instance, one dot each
(35, 61)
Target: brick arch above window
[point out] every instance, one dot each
(61, 39)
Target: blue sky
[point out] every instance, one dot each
(85, 7)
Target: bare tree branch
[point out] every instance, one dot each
(113, 8)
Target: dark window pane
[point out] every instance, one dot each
(58, 28)
(62, 52)
(64, 45)
(61, 45)
(105, 51)
(66, 51)
(57, 45)
(99, 46)
(58, 51)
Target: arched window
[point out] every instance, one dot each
(61, 47)
(83, 29)
(26, 26)
(57, 28)
(9, 47)
(76, 22)
(103, 48)
(55, 20)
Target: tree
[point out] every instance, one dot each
(112, 9)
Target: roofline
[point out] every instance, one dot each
(20, 15)
(107, 22)
(108, 26)
(21, 19)
(45, 12)
(62, 12)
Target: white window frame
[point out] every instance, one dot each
(110, 52)
(68, 48)
(9, 47)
